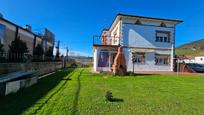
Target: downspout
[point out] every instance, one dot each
(173, 46)
(121, 30)
(16, 33)
(34, 43)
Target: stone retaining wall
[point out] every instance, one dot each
(39, 67)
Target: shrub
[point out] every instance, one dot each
(109, 96)
(73, 65)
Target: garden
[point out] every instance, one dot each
(78, 91)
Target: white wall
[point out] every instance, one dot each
(95, 59)
(144, 36)
(115, 31)
(8, 25)
(149, 64)
(12, 87)
(199, 60)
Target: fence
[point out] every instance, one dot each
(24, 57)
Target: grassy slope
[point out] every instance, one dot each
(187, 48)
(84, 93)
(184, 51)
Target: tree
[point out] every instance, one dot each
(2, 59)
(18, 46)
(38, 51)
(49, 52)
(17, 50)
(1, 48)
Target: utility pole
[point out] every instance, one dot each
(67, 53)
(133, 65)
(178, 66)
(57, 52)
(133, 69)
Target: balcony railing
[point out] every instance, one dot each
(106, 40)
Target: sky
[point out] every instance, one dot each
(74, 22)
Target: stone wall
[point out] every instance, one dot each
(39, 67)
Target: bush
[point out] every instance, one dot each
(73, 65)
(109, 96)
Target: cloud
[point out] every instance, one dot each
(71, 53)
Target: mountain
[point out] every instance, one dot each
(196, 45)
(191, 48)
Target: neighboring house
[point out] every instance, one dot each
(199, 60)
(195, 58)
(146, 43)
(10, 31)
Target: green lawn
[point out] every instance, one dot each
(81, 92)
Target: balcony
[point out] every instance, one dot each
(106, 41)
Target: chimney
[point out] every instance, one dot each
(119, 66)
(28, 27)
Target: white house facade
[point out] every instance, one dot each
(196, 60)
(147, 44)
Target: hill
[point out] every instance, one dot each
(196, 45)
(191, 48)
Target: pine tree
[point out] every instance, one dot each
(1, 48)
(17, 50)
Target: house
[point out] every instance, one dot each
(192, 58)
(10, 31)
(136, 43)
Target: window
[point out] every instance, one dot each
(162, 36)
(162, 59)
(2, 32)
(138, 58)
(115, 38)
(201, 59)
(103, 60)
(165, 39)
(161, 39)
(157, 38)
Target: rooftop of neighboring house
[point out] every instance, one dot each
(28, 29)
(190, 56)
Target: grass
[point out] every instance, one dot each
(81, 92)
(188, 51)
